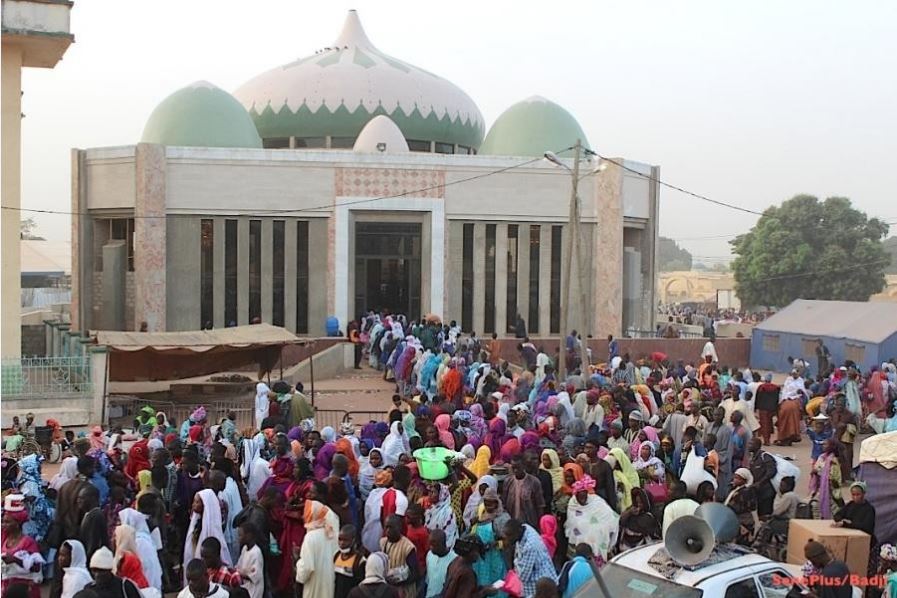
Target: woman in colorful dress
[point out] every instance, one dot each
(825, 480)
(488, 527)
(439, 513)
(293, 524)
(590, 520)
(22, 561)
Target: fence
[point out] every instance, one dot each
(633, 333)
(243, 409)
(46, 377)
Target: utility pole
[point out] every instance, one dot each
(572, 232)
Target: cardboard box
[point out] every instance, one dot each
(848, 545)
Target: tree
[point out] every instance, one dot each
(807, 249)
(671, 257)
(27, 229)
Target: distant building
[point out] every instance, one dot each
(863, 332)
(350, 180)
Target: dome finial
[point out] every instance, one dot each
(353, 34)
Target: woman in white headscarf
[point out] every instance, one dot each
(375, 569)
(76, 575)
(314, 569)
(395, 445)
(254, 470)
(472, 508)
(205, 522)
(145, 547)
(262, 403)
(369, 471)
(68, 471)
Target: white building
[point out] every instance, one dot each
(350, 180)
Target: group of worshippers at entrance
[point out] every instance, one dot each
(547, 481)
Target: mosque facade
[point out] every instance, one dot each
(350, 180)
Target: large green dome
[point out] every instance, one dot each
(337, 91)
(532, 127)
(201, 115)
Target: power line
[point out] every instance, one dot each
(676, 187)
(879, 262)
(297, 210)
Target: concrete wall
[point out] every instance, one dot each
(11, 125)
(734, 352)
(34, 340)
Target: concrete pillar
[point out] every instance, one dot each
(523, 276)
(649, 253)
(632, 288)
(545, 280)
(10, 309)
(99, 357)
(84, 345)
(218, 271)
(454, 266)
(150, 226)
(48, 338)
(319, 249)
(183, 274)
(267, 286)
(289, 273)
(242, 271)
(479, 277)
(82, 246)
(608, 246)
(501, 278)
(64, 340)
(115, 264)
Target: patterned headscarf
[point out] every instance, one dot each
(888, 552)
(586, 483)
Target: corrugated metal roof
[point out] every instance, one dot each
(855, 320)
(46, 257)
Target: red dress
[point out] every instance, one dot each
(293, 529)
(420, 537)
(15, 574)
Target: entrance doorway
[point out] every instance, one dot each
(387, 267)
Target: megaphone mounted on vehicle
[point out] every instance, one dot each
(722, 521)
(689, 540)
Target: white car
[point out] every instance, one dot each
(730, 572)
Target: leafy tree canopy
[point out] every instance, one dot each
(28, 230)
(810, 249)
(671, 257)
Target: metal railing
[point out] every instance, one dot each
(46, 377)
(245, 412)
(633, 333)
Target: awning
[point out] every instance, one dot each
(196, 341)
(141, 356)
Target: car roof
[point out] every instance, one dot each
(637, 558)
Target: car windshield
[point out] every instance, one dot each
(623, 582)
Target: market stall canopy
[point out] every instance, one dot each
(140, 356)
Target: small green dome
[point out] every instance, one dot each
(201, 115)
(532, 127)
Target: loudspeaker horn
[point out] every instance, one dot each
(689, 540)
(722, 521)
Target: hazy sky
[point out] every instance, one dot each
(748, 102)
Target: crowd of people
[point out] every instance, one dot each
(548, 478)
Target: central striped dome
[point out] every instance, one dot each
(336, 91)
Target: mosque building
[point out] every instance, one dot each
(350, 180)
